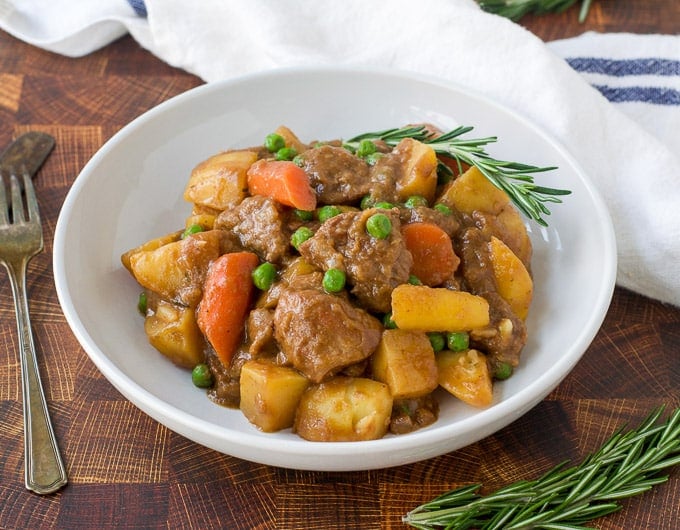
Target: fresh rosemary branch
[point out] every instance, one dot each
(512, 177)
(627, 464)
(516, 9)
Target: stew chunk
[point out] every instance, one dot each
(374, 266)
(320, 334)
(336, 175)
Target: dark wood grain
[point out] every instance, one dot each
(648, 16)
(128, 471)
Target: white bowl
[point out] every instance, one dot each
(131, 191)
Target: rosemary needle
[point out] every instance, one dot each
(516, 9)
(512, 177)
(627, 464)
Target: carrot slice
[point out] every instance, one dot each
(434, 260)
(283, 181)
(227, 292)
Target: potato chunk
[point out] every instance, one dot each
(152, 244)
(465, 374)
(173, 331)
(291, 139)
(513, 233)
(419, 169)
(513, 281)
(220, 181)
(176, 270)
(417, 307)
(404, 360)
(270, 394)
(204, 220)
(344, 409)
(472, 191)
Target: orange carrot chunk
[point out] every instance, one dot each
(434, 260)
(283, 181)
(227, 293)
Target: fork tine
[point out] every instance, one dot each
(3, 201)
(31, 199)
(15, 197)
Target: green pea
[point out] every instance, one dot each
(458, 340)
(333, 280)
(193, 229)
(286, 153)
(442, 208)
(326, 212)
(366, 147)
(301, 235)
(264, 275)
(304, 215)
(437, 340)
(387, 321)
(383, 205)
(142, 303)
(373, 158)
(201, 376)
(414, 280)
(273, 142)
(415, 200)
(366, 202)
(503, 371)
(379, 226)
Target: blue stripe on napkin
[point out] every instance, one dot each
(644, 94)
(139, 7)
(624, 68)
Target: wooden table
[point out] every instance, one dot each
(128, 471)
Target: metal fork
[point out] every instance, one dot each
(21, 239)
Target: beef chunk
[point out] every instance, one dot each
(319, 333)
(260, 331)
(506, 334)
(473, 250)
(336, 175)
(259, 226)
(449, 223)
(383, 177)
(374, 267)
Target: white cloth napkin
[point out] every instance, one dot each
(628, 144)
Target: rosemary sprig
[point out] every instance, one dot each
(512, 177)
(627, 464)
(516, 9)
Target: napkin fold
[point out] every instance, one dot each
(613, 100)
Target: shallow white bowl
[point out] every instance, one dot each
(131, 191)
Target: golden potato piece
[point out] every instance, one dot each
(270, 394)
(419, 169)
(205, 220)
(290, 138)
(472, 191)
(344, 409)
(220, 181)
(404, 360)
(153, 244)
(173, 331)
(465, 374)
(513, 281)
(514, 234)
(176, 270)
(422, 308)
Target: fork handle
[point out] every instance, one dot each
(44, 468)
